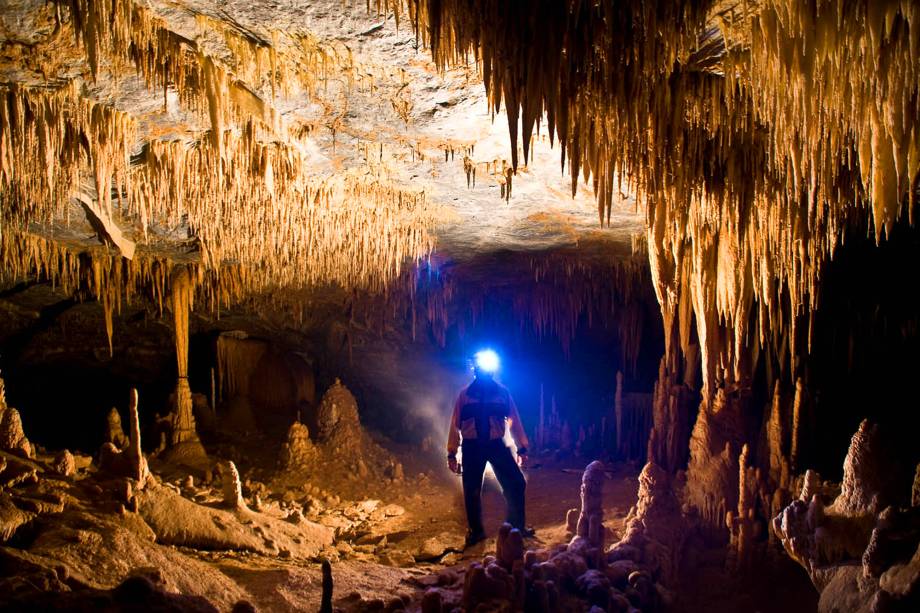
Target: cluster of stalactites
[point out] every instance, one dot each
(565, 293)
(50, 137)
(261, 207)
(750, 173)
(245, 194)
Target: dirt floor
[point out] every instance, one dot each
(431, 529)
(391, 529)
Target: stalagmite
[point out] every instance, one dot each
(337, 417)
(298, 452)
(590, 524)
(670, 418)
(114, 432)
(854, 547)
(655, 530)
(129, 462)
(232, 488)
(796, 424)
(64, 464)
(12, 436)
(741, 523)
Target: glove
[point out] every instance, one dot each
(453, 465)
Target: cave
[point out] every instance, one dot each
(279, 280)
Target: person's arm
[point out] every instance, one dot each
(453, 436)
(517, 428)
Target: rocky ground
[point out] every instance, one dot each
(250, 524)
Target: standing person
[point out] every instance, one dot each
(481, 414)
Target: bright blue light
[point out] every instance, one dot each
(487, 360)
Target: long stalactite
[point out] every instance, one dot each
(751, 164)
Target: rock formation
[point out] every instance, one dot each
(12, 436)
(298, 452)
(624, 578)
(129, 462)
(590, 524)
(655, 530)
(184, 444)
(232, 488)
(712, 473)
(115, 434)
(859, 549)
(64, 464)
(337, 421)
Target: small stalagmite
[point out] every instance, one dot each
(337, 419)
(12, 436)
(64, 464)
(590, 524)
(298, 452)
(115, 434)
(655, 530)
(129, 462)
(232, 487)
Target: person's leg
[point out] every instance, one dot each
(474, 465)
(512, 481)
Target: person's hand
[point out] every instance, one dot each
(453, 465)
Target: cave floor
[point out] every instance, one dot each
(431, 529)
(394, 537)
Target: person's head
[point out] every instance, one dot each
(485, 364)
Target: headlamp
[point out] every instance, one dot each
(486, 360)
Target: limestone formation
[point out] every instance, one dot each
(712, 473)
(129, 462)
(858, 549)
(12, 436)
(298, 453)
(184, 445)
(64, 464)
(867, 486)
(741, 522)
(337, 417)
(115, 434)
(232, 487)
(540, 580)
(655, 530)
(590, 525)
(183, 418)
(671, 408)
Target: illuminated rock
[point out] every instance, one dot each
(129, 462)
(114, 433)
(337, 417)
(12, 436)
(298, 452)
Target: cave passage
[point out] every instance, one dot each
(252, 255)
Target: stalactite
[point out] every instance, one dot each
(751, 164)
(48, 135)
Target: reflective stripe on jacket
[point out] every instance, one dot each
(484, 406)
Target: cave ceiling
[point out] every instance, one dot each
(344, 152)
(269, 146)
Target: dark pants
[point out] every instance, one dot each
(475, 456)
